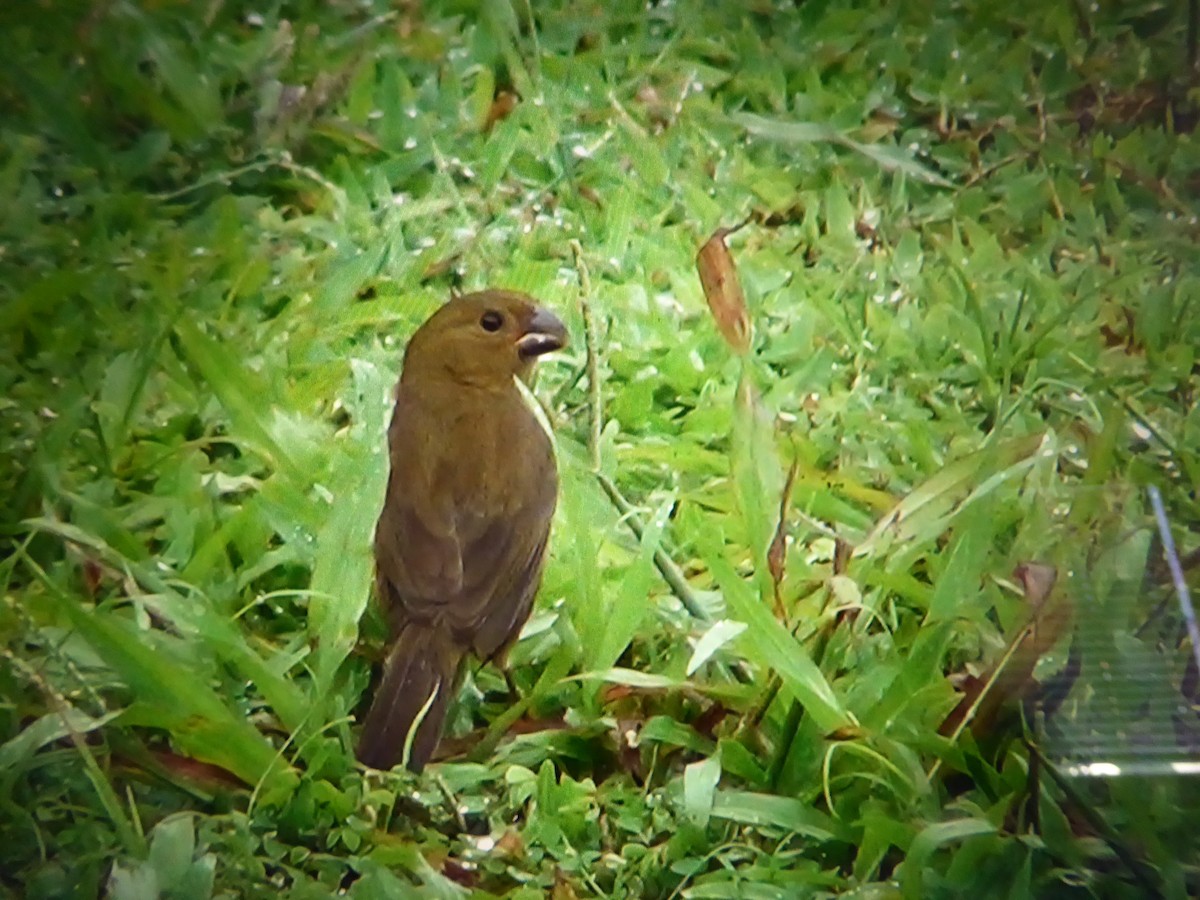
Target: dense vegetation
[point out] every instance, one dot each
(778, 566)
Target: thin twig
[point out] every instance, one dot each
(666, 566)
(590, 341)
(983, 694)
(670, 571)
(452, 803)
(274, 160)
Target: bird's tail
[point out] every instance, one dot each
(406, 718)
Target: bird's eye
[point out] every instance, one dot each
(491, 320)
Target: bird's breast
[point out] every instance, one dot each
(484, 452)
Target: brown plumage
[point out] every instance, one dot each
(461, 540)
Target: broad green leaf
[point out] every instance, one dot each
(959, 583)
(716, 637)
(197, 718)
(700, 780)
(243, 394)
(929, 841)
(343, 570)
(887, 157)
(584, 518)
(195, 617)
(926, 511)
(634, 678)
(632, 604)
(172, 846)
(769, 811)
(665, 730)
(757, 474)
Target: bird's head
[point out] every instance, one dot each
(483, 339)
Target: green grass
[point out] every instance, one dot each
(970, 269)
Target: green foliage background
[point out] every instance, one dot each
(971, 270)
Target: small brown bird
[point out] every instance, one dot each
(461, 540)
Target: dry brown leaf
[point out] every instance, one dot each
(202, 774)
(562, 888)
(502, 106)
(723, 290)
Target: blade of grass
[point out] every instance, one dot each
(930, 840)
(193, 615)
(769, 644)
(629, 608)
(344, 568)
(927, 510)
(199, 720)
(244, 396)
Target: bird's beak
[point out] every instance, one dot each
(543, 333)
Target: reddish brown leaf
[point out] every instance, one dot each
(1037, 581)
(723, 290)
(502, 106)
(93, 572)
(460, 873)
(615, 692)
(191, 770)
(526, 725)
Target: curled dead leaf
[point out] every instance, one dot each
(1036, 580)
(723, 291)
(510, 844)
(648, 94)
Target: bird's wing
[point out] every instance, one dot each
(473, 562)
(501, 574)
(418, 559)
(418, 554)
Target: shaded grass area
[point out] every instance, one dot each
(970, 270)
